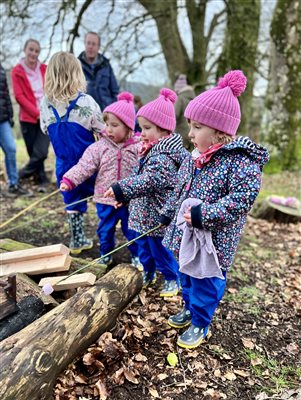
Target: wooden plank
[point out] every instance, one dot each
(38, 266)
(34, 253)
(75, 281)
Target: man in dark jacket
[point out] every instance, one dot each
(7, 142)
(101, 81)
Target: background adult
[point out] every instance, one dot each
(28, 81)
(7, 142)
(185, 94)
(101, 81)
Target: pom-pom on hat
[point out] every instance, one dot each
(161, 111)
(123, 109)
(219, 108)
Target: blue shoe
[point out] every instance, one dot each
(170, 288)
(135, 262)
(106, 261)
(149, 278)
(193, 337)
(180, 320)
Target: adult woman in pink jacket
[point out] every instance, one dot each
(28, 82)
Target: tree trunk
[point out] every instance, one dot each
(240, 52)
(32, 358)
(165, 14)
(284, 94)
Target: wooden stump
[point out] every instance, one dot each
(32, 358)
(273, 212)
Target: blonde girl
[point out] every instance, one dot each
(72, 119)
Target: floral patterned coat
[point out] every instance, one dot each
(227, 186)
(152, 183)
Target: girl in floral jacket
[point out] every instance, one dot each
(224, 174)
(112, 158)
(150, 186)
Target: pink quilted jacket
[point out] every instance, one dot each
(112, 162)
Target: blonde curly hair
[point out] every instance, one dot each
(64, 78)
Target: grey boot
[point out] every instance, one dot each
(78, 241)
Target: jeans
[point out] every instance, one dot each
(8, 145)
(37, 144)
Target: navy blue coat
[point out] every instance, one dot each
(101, 81)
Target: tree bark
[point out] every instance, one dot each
(284, 94)
(240, 52)
(32, 358)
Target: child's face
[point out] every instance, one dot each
(116, 130)
(149, 131)
(201, 135)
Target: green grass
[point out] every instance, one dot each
(277, 376)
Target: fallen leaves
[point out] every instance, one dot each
(134, 354)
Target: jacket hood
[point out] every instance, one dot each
(172, 146)
(256, 152)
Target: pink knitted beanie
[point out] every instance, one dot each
(161, 111)
(123, 109)
(219, 108)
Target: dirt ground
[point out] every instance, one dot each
(254, 351)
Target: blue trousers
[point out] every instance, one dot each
(153, 255)
(109, 217)
(8, 145)
(202, 296)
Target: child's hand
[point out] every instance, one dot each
(117, 204)
(64, 187)
(109, 193)
(187, 216)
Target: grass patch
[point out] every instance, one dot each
(278, 376)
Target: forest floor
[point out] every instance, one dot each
(254, 351)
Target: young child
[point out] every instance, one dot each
(72, 119)
(214, 194)
(151, 185)
(113, 157)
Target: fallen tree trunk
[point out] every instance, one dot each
(32, 358)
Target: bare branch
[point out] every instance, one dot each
(73, 34)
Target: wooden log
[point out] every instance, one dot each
(32, 358)
(270, 211)
(37, 266)
(33, 253)
(7, 296)
(28, 310)
(75, 281)
(26, 286)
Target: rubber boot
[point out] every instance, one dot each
(78, 241)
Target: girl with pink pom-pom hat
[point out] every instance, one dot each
(150, 186)
(216, 189)
(112, 158)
